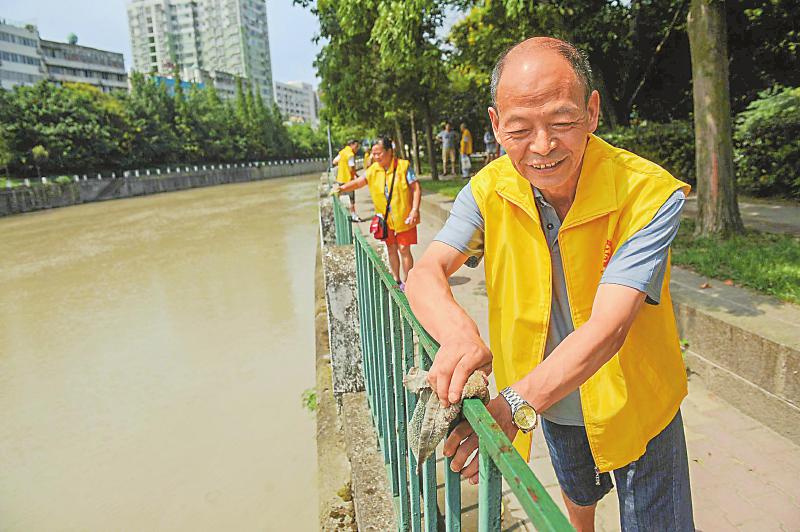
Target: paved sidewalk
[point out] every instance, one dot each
(762, 215)
(744, 475)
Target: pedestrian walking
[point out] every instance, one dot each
(448, 139)
(465, 150)
(490, 144)
(396, 194)
(575, 237)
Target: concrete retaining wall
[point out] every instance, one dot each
(52, 195)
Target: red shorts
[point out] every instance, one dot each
(406, 238)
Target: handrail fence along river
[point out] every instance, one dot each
(388, 330)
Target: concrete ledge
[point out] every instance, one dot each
(336, 508)
(371, 493)
(772, 411)
(745, 346)
(339, 265)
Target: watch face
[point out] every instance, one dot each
(525, 417)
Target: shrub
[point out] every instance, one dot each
(670, 145)
(767, 138)
(63, 180)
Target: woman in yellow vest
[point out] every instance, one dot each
(346, 171)
(575, 237)
(390, 176)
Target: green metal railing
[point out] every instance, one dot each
(341, 219)
(390, 337)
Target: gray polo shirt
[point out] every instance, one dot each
(639, 263)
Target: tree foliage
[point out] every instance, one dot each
(384, 56)
(85, 130)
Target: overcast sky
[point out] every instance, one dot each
(104, 24)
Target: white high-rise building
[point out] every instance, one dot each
(297, 102)
(207, 40)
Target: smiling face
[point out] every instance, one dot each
(381, 155)
(543, 118)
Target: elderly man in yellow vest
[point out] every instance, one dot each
(393, 181)
(346, 171)
(575, 237)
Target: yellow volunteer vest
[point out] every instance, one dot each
(344, 169)
(636, 393)
(466, 142)
(379, 179)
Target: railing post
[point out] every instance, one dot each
(411, 402)
(400, 413)
(430, 509)
(489, 492)
(388, 380)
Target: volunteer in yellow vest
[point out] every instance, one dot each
(346, 164)
(575, 237)
(465, 150)
(385, 174)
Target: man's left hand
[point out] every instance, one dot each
(413, 217)
(463, 441)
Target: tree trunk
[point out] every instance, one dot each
(429, 142)
(608, 108)
(398, 135)
(414, 145)
(718, 210)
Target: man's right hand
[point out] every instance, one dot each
(458, 357)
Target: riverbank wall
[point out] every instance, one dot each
(52, 195)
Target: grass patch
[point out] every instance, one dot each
(450, 187)
(14, 182)
(309, 400)
(769, 263)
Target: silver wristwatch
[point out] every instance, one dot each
(522, 413)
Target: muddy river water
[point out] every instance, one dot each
(153, 352)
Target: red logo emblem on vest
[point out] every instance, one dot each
(607, 251)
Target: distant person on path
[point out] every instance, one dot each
(403, 213)
(346, 162)
(448, 139)
(367, 157)
(491, 146)
(575, 237)
(465, 150)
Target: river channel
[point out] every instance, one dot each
(153, 352)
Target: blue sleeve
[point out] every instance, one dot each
(463, 229)
(410, 175)
(641, 261)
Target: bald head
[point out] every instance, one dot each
(529, 48)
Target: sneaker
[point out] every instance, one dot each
(355, 218)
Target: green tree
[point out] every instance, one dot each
(151, 137)
(40, 156)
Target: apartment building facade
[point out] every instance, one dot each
(297, 101)
(25, 59)
(208, 41)
(20, 57)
